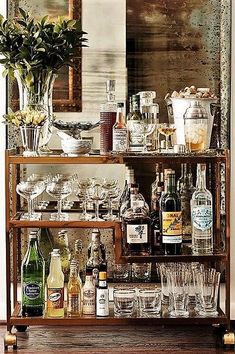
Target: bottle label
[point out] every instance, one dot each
(102, 302)
(74, 301)
(135, 204)
(88, 302)
(202, 217)
(171, 226)
(120, 139)
(55, 298)
(137, 233)
(32, 290)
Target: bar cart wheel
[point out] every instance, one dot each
(10, 339)
(21, 328)
(228, 339)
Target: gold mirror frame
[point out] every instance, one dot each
(68, 86)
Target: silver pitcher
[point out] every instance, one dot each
(176, 109)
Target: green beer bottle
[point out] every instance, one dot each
(33, 279)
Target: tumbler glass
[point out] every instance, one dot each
(149, 302)
(124, 302)
(178, 281)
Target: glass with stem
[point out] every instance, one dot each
(109, 185)
(97, 194)
(167, 130)
(30, 190)
(80, 191)
(59, 190)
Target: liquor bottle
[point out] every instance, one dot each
(202, 215)
(136, 225)
(185, 190)
(171, 218)
(55, 287)
(107, 119)
(65, 255)
(136, 140)
(45, 242)
(74, 291)
(129, 180)
(88, 307)
(120, 137)
(96, 256)
(157, 188)
(33, 279)
(79, 257)
(102, 296)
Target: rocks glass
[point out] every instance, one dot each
(124, 302)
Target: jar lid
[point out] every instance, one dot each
(195, 111)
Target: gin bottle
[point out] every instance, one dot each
(202, 215)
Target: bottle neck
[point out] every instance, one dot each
(120, 116)
(33, 249)
(89, 280)
(103, 283)
(201, 177)
(170, 187)
(110, 97)
(135, 107)
(55, 265)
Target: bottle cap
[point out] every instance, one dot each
(55, 252)
(95, 234)
(102, 275)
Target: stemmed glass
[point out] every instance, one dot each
(167, 130)
(109, 185)
(80, 191)
(59, 190)
(30, 190)
(97, 194)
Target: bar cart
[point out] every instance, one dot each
(218, 165)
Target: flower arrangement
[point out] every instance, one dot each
(28, 117)
(30, 45)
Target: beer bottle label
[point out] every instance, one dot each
(55, 298)
(137, 233)
(32, 290)
(171, 226)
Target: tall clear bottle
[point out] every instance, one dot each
(171, 218)
(108, 112)
(202, 215)
(55, 287)
(65, 254)
(120, 138)
(33, 279)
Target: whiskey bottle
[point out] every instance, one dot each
(74, 291)
(33, 279)
(136, 140)
(202, 215)
(120, 138)
(102, 296)
(108, 112)
(136, 225)
(171, 218)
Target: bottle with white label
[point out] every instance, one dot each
(55, 287)
(102, 296)
(88, 306)
(136, 225)
(120, 137)
(202, 215)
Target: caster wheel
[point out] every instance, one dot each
(228, 340)
(10, 340)
(21, 328)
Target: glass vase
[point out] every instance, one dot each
(35, 93)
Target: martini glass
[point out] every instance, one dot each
(167, 130)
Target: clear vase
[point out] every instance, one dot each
(35, 92)
(30, 138)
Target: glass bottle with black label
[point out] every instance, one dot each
(136, 225)
(102, 296)
(33, 279)
(171, 218)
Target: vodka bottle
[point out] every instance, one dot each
(202, 215)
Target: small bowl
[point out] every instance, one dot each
(78, 147)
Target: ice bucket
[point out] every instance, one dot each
(176, 109)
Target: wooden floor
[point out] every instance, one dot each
(109, 340)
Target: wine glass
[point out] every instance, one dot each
(109, 185)
(97, 195)
(59, 190)
(30, 190)
(167, 130)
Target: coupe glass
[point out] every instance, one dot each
(59, 190)
(97, 194)
(30, 190)
(167, 130)
(80, 191)
(109, 186)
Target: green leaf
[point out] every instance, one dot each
(29, 79)
(23, 13)
(44, 20)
